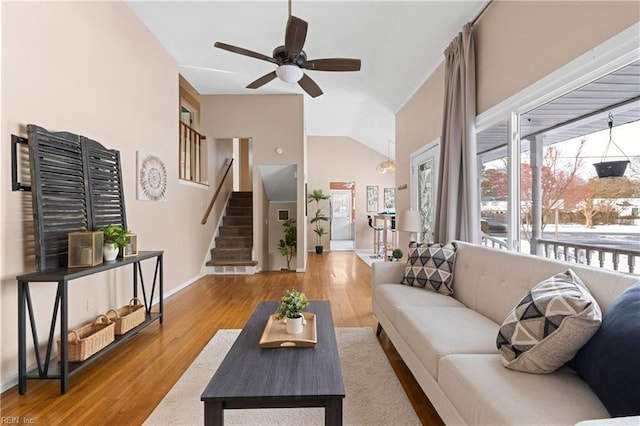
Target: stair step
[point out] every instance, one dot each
(226, 254)
(242, 194)
(239, 211)
(237, 220)
(235, 231)
(241, 202)
(234, 241)
(232, 263)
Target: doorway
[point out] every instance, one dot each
(341, 234)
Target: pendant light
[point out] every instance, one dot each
(387, 166)
(611, 169)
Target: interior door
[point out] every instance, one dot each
(341, 214)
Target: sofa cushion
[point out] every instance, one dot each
(609, 361)
(549, 325)
(431, 267)
(434, 332)
(486, 393)
(392, 297)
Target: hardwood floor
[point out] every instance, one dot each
(125, 386)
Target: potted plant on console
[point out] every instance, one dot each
(291, 306)
(115, 238)
(317, 195)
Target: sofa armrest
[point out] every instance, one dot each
(387, 273)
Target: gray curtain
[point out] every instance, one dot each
(457, 214)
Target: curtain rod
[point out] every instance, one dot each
(484, 9)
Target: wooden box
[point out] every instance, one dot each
(131, 249)
(85, 249)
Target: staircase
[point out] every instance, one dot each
(234, 244)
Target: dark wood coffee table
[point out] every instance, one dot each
(255, 377)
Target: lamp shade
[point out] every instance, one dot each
(409, 221)
(386, 167)
(289, 73)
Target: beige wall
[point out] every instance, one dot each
(65, 67)
(270, 121)
(517, 43)
(342, 159)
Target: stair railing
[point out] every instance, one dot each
(215, 196)
(190, 159)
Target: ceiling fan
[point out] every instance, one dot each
(291, 60)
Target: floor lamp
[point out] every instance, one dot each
(410, 221)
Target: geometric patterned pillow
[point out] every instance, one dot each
(549, 325)
(431, 267)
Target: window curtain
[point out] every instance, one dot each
(457, 214)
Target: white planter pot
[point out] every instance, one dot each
(110, 252)
(294, 325)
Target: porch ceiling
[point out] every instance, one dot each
(578, 113)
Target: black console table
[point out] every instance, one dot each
(64, 369)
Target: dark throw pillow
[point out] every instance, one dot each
(610, 361)
(431, 267)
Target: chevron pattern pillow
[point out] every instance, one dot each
(431, 267)
(549, 325)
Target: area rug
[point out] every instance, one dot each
(374, 395)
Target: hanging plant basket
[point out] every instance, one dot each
(611, 169)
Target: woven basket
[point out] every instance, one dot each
(88, 339)
(127, 317)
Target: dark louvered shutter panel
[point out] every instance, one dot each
(59, 193)
(105, 185)
(76, 186)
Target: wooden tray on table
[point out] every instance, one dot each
(275, 333)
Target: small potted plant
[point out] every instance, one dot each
(291, 306)
(317, 195)
(115, 237)
(397, 254)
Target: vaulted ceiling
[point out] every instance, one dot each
(400, 43)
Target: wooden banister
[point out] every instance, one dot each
(215, 196)
(190, 159)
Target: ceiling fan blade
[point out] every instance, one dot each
(262, 80)
(294, 37)
(244, 52)
(310, 86)
(332, 64)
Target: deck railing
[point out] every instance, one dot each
(607, 257)
(489, 241)
(190, 155)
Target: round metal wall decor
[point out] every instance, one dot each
(152, 178)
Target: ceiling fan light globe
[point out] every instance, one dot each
(289, 73)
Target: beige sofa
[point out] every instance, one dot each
(449, 343)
